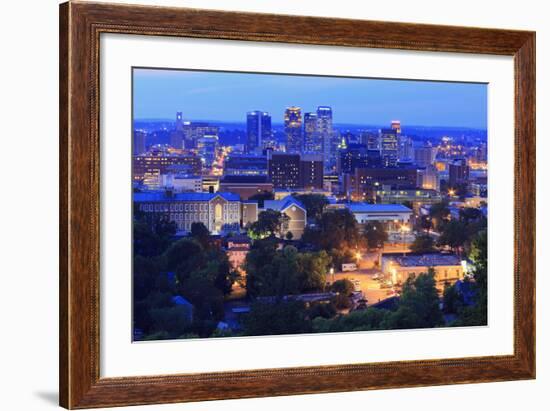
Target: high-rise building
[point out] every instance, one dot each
(363, 183)
(351, 158)
(311, 171)
(396, 125)
(325, 130)
(459, 172)
(139, 142)
(176, 135)
(193, 131)
(293, 129)
(428, 178)
(424, 156)
(312, 138)
(284, 169)
(258, 127)
(405, 147)
(245, 165)
(148, 166)
(208, 149)
(371, 140)
(388, 147)
(179, 121)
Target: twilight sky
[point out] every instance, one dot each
(203, 95)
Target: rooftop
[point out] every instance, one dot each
(423, 260)
(282, 204)
(244, 179)
(377, 208)
(159, 196)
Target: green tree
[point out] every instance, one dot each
(363, 320)
(343, 286)
(270, 223)
(477, 314)
(375, 234)
(277, 273)
(336, 229)
(152, 235)
(283, 317)
(312, 271)
(183, 258)
(418, 304)
(454, 235)
(423, 243)
(200, 233)
(174, 321)
(469, 214)
(439, 213)
(314, 203)
(258, 266)
(452, 301)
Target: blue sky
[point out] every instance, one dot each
(203, 95)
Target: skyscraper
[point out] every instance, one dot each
(176, 135)
(388, 147)
(324, 128)
(312, 140)
(293, 129)
(424, 156)
(258, 126)
(459, 172)
(396, 125)
(139, 142)
(405, 147)
(371, 140)
(179, 121)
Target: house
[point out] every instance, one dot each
(295, 211)
(180, 301)
(237, 249)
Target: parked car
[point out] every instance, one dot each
(349, 267)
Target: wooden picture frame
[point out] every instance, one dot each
(80, 27)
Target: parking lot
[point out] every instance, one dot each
(369, 285)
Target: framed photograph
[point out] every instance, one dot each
(260, 205)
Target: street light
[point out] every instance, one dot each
(332, 273)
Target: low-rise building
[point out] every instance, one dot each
(448, 268)
(237, 249)
(181, 183)
(393, 216)
(417, 196)
(219, 212)
(295, 211)
(246, 185)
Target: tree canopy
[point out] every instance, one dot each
(277, 273)
(314, 203)
(423, 243)
(375, 234)
(270, 223)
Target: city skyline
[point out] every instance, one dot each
(228, 96)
